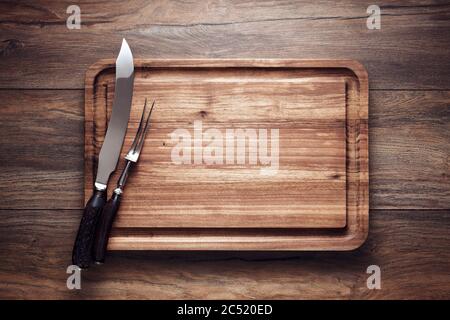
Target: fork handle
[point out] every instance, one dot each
(82, 249)
(104, 226)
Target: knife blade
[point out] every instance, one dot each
(108, 157)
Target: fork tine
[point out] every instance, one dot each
(138, 142)
(144, 131)
(138, 133)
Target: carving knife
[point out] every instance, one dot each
(108, 157)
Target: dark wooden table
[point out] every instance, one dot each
(41, 148)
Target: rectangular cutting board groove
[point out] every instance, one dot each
(314, 198)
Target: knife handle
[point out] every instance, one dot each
(82, 249)
(104, 226)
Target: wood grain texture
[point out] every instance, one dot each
(320, 110)
(37, 164)
(34, 37)
(411, 247)
(304, 190)
(409, 134)
(410, 154)
(41, 150)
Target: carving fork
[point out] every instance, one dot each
(112, 206)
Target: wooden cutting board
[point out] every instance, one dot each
(242, 154)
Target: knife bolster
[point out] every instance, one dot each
(100, 186)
